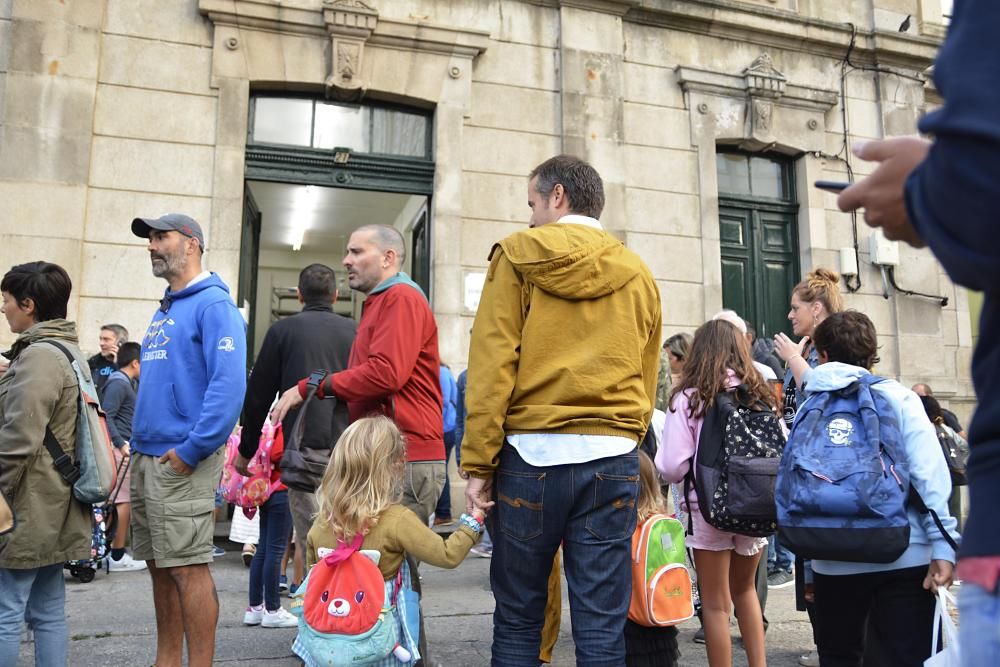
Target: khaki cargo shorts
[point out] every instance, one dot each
(173, 520)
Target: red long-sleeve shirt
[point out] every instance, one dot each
(393, 369)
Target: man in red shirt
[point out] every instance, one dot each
(394, 363)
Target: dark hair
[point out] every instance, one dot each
(581, 182)
(718, 347)
(933, 409)
(117, 329)
(127, 353)
(848, 337)
(317, 283)
(46, 284)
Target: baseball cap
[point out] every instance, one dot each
(175, 222)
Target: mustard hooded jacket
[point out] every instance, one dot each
(566, 340)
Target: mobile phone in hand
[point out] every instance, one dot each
(835, 187)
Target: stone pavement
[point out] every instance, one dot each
(112, 624)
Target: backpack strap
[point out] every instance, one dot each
(64, 464)
(344, 550)
(922, 507)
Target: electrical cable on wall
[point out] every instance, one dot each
(891, 271)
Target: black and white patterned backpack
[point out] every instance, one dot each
(734, 471)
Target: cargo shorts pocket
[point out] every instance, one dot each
(187, 530)
(613, 514)
(519, 503)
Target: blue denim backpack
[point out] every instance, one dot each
(841, 493)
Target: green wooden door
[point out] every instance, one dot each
(759, 264)
(758, 237)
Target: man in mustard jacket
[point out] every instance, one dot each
(561, 382)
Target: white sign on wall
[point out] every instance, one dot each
(472, 290)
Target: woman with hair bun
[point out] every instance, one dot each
(814, 299)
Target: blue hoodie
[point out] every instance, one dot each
(922, 457)
(193, 373)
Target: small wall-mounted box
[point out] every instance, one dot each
(883, 251)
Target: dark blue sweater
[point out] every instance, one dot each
(953, 199)
(118, 401)
(193, 373)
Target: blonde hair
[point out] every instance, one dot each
(363, 477)
(650, 496)
(821, 285)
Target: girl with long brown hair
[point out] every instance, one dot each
(726, 562)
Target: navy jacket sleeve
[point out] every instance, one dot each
(263, 384)
(952, 197)
(111, 402)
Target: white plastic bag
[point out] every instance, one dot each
(949, 655)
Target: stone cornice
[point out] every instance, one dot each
(786, 30)
(265, 15)
(692, 79)
(429, 37)
(291, 18)
(616, 7)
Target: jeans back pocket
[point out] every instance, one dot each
(519, 503)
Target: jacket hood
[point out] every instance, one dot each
(832, 376)
(58, 328)
(213, 281)
(398, 279)
(571, 261)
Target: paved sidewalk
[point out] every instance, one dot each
(111, 622)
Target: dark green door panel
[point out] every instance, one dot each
(759, 262)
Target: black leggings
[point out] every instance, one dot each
(893, 605)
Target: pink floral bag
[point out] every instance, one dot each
(253, 491)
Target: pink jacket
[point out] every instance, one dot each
(679, 442)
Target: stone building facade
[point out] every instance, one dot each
(708, 119)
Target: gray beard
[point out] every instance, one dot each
(169, 266)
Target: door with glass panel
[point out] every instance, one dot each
(317, 170)
(758, 237)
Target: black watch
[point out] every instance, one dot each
(315, 379)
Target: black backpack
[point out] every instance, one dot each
(956, 453)
(736, 466)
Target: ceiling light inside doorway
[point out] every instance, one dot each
(303, 213)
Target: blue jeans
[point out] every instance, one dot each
(265, 568)
(589, 508)
(979, 632)
(41, 594)
(778, 557)
(443, 509)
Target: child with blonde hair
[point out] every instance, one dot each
(359, 498)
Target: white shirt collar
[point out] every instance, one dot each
(580, 220)
(198, 278)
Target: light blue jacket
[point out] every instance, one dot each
(920, 455)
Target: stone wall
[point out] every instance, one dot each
(112, 109)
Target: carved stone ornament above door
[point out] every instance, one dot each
(350, 24)
(762, 97)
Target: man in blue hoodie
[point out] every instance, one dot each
(193, 381)
(946, 195)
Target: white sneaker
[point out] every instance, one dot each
(253, 616)
(126, 564)
(810, 659)
(281, 618)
